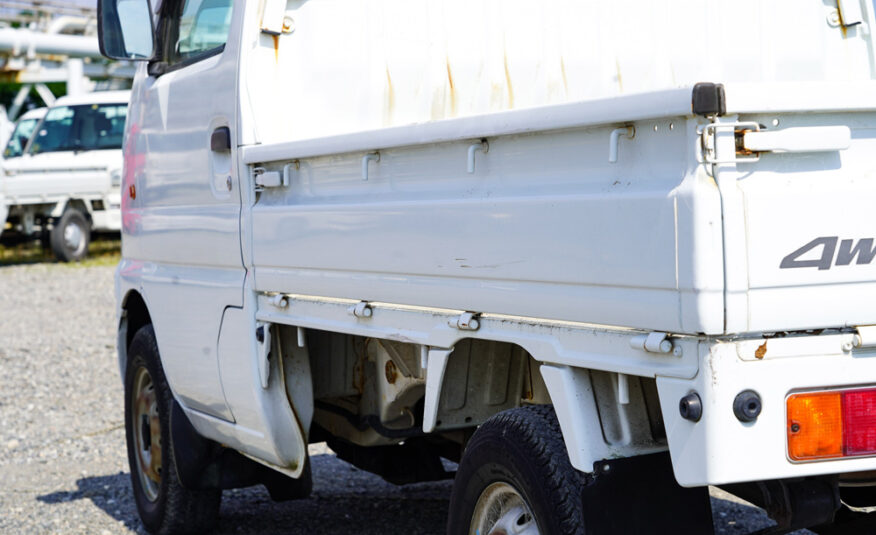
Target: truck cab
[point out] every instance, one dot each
(597, 265)
(63, 183)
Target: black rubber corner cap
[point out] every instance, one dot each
(709, 99)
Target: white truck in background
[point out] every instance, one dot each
(602, 254)
(61, 183)
(22, 131)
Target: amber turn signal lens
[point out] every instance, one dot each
(815, 426)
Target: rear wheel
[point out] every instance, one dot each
(70, 236)
(515, 478)
(164, 505)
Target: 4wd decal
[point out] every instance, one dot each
(864, 250)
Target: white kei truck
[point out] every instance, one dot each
(600, 254)
(62, 171)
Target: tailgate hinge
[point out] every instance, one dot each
(467, 321)
(866, 336)
(655, 342)
(274, 18)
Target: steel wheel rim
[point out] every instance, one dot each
(147, 434)
(74, 238)
(501, 510)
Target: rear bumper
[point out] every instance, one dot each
(720, 449)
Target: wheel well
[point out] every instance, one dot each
(372, 391)
(135, 315)
(79, 205)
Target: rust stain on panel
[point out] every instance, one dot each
(842, 24)
(390, 372)
(761, 351)
(452, 88)
(508, 82)
(620, 80)
(563, 72)
(390, 99)
(276, 39)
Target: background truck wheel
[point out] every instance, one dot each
(515, 478)
(70, 236)
(165, 506)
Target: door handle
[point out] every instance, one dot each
(220, 140)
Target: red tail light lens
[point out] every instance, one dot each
(859, 422)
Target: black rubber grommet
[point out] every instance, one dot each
(691, 407)
(747, 406)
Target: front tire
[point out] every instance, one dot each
(164, 505)
(515, 478)
(70, 236)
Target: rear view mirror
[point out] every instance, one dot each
(125, 29)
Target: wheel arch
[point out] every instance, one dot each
(134, 315)
(77, 204)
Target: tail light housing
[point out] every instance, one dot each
(831, 424)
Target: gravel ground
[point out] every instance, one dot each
(62, 447)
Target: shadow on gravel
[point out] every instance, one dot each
(344, 500)
(110, 493)
(329, 514)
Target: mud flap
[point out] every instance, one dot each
(639, 496)
(203, 464)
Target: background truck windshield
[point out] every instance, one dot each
(86, 127)
(23, 130)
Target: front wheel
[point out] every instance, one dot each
(70, 236)
(164, 505)
(515, 478)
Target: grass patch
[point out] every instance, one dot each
(102, 251)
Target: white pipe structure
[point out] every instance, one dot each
(18, 41)
(67, 22)
(75, 76)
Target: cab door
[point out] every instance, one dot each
(185, 199)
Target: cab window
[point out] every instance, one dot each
(198, 29)
(81, 128)
(23, 130)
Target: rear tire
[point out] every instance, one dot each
(515, 477)
(70, 236)
(164, 505)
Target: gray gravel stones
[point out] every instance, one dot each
(63, 467)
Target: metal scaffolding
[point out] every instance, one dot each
(50, 41)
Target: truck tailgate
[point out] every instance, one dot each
(809, 231)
